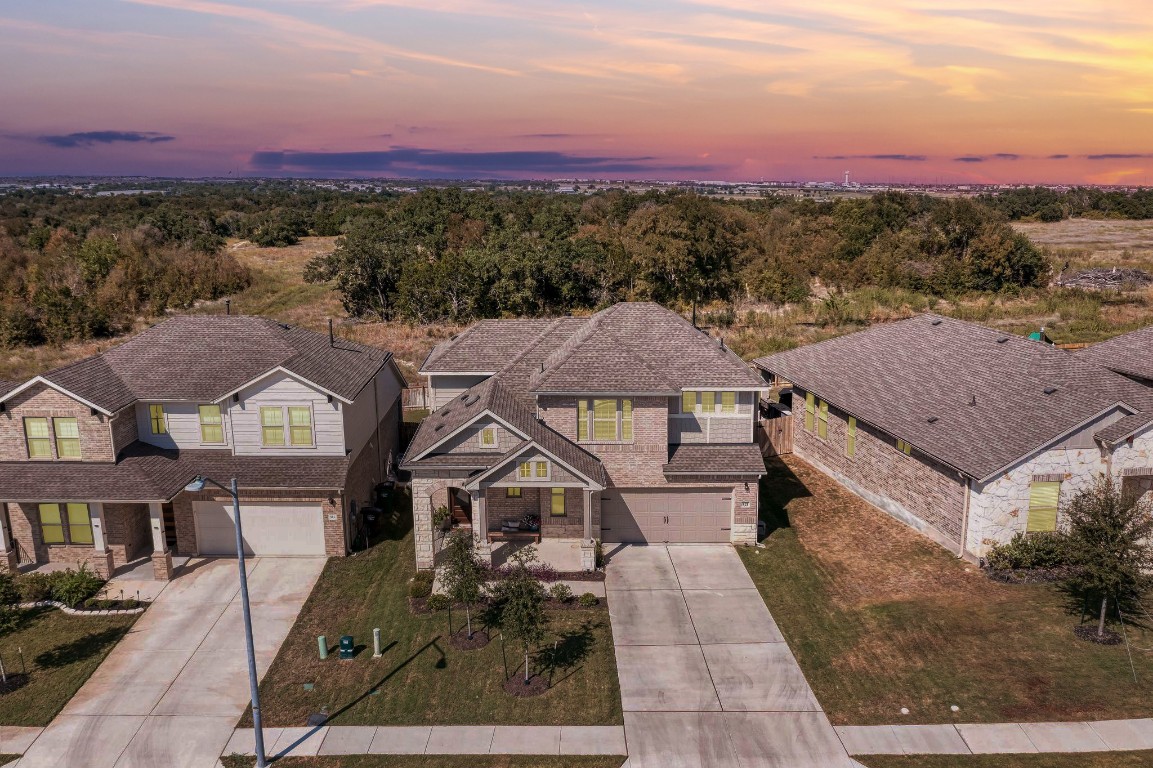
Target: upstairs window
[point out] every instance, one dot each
(67, 433)
(707, 402)
(1043, 498)
(38, 437)
(211, 424)
(156, 419)
(525, 470)
(607, 420)
(300, 425)
(810, 411)
(65, 524)
(542, 469)
(728, 402)
(530, 469)
(488, 437)
(271, 426)
(823, 420)
(851, 438)
(904, 447)
(688, 402)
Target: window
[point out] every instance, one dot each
(67, 438)
(851, 438)
(605, 419)
(728, 402)
(156, 418)
(512, 493)
(688, 402)
(904, 447)
(488, 437)
(38, 437)
(211, 424)
(810, 408)
(542, 469)
(271, 426)
(823, 420)
(558, 502)
(525, 470)
(65, 524)
(708, 402)
(300, 425)
(1043, 507)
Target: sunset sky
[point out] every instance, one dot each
(902, 90)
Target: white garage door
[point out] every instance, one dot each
(687, 516)
(269, 529)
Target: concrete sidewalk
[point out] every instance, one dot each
(997, 738)
(433, 740)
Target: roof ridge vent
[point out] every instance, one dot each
(1002, 339)
(933, 419)
(1050, 390)
(935, 321)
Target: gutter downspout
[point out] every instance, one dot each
(965, 517)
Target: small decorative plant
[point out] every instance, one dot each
(441, 517)
(560, 593)
(588, 600)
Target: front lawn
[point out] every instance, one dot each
(422, 679)
(1080, 760)
(881, 618)
(59, 652)
(435, 761)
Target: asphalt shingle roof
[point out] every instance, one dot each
(1130, 353)
(985, 390)
(715, 459)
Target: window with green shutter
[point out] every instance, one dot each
(271, 426)
(38, 437)
(823, 420)
(211, 424)
(851, 438)
(810, 409)
(1043, 499)
(67, 433)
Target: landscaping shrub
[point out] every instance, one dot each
(588, 600)
(560, 593)
(34, 587)
(1037, 550)
(73, 587)
(438, 602)
(421, 585)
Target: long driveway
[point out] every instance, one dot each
(706, 678)
(172, 690)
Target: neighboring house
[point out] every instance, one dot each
(627, 426)
(1130, 354)
(94, 456)
(968, 434)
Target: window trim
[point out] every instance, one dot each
(1046, 509)
(279, 411)
(63, 510)
(219, 424)
(524, 470)
(158, 423)
(47, 440)
(587, 421)
(290, 426)
(286, 427)
(553, 496)
(480, 438)
(538, 465)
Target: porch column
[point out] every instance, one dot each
(102, 560)
(8, 559)
(587, 496)
(480, 526)
(588, 543)
(161, 556)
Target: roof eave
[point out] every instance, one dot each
(49, 383)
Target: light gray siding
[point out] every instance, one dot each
(283, 390)
(442, 388)
(183, 420)
(360, 420)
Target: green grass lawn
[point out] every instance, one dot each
(1081, 760)
(435, 761)
(422, 679)
(60, 652)
(881, 618)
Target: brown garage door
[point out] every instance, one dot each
(690, 515)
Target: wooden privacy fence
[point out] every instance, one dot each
(775, 435)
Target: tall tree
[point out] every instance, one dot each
(366, 266)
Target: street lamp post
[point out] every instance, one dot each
(198, 484)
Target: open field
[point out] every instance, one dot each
(881, 618)
(1079, 760)
(1099, 242)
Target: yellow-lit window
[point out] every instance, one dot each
(688, 402)
(810, 410)
(708, 402)
(626, 419)
(65, 524)
(582, 420)
(211, 424)
(156, 418)
(728, 402)
(38, 437)
(271, 426)
(488, 437)
(525, 470)
(604, 419)
(79, 524)
(1043, 498)
(67, 438)
(51, 525)
(823, 420)
(851, 438)
(542, 469)
(904, 447)
(558, 502)
(300, 425)
(512, 493)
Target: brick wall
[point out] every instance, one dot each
(125, 430)
(916, 489)
(41, 400)
(638, 463)
(501, 508)
(25, 522)
(127, 532)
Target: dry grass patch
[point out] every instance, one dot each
(1141, 759)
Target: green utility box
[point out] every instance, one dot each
(347, 647)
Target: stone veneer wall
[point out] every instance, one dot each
(916, 489)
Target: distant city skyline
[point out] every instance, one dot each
(735, 90)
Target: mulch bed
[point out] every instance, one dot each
(18, 680)
(462, 642)
(535, 686)
(1089, 632)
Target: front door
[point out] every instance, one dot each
(460, 506)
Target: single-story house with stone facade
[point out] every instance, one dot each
(966, 433)
(95, 456)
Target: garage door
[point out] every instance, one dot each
(269, 529)
(691, 515)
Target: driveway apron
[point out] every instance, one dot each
(171, 692)
(706, 677)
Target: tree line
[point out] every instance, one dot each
(1044, 204)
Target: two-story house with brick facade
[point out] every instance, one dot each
(627, 426)
(95, 455)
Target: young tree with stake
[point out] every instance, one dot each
(463, 574)
(522, 615)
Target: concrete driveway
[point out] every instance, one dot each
(706, 677)
(171, 692)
